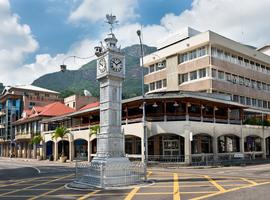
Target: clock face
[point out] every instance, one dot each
(116, 64)
(102, 65)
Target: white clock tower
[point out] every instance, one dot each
(110, 74)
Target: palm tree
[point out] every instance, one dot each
(60, 132)
(94, 130)
(36, 140)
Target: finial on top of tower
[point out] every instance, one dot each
(111, 20)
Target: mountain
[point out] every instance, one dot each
(75, 81)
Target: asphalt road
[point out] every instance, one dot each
(42, 180)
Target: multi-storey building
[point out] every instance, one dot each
(29, 126)
(13, 101)
(209, 62)
(77, 102)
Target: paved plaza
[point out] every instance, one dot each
(47, 180)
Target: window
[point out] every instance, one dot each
(254, 102)
(201, 51)
(234, 59)
(164, 81)
(258, 67)
(202, 73)
(158, 84)
(74, 104)
(152, 86)
(265, 104)
(253, 84)
(248, 102)
(242, 100)
(193, 54)
(227, 56)
(235, 98)
(228, 77)
(235, 79)
(151, 68)
(241, 80)
(220, 75)
(183, 78)
(264, 86)
(260, 103)
(219, 53)
(259, 85)
(193, 75)
(214, 51)
(240, 60)
(214, 73)
(252, 64)
(246, 62)
(247, 82)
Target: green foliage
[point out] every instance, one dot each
(256, 121)
(36, 139)
(60, 132)
(94, 130)
(75, 81)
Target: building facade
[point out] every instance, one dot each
(181, 126)
(13, 101)
(209, 62)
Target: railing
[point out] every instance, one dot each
(113, 175)
(166, 159)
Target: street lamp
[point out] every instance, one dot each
(143, 107)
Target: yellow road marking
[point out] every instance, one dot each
(229, 190)
(176, 193)
(49, 192)
(88, 195)
(249, 181)
(13, 191)
(219, 187)
(23, 181)
(132, 193)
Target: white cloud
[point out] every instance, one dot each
(96, 10)
(243, 21)
(16, 41)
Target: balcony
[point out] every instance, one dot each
(23, 136)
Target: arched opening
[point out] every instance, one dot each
(202, 143)
(66, 148)
(253, 143)
(49, 149)
(228, 144)
(267, 146)
(166, 147)
(132, 144)
(81, 149)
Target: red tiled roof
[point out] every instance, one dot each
(55, 109)
(91, 105)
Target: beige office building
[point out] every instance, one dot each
(209, 62)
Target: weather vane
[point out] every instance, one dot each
(111, 20)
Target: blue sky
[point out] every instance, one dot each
(50, 27)
(37, 35)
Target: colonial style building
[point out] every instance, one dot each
(29, 126)
(13, 101)
(181, 126)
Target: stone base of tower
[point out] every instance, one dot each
(110, 172)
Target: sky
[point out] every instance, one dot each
(37, 35)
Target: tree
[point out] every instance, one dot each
(36, 140)
(60, 132)
(94, 130)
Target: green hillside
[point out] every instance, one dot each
(75, 81)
